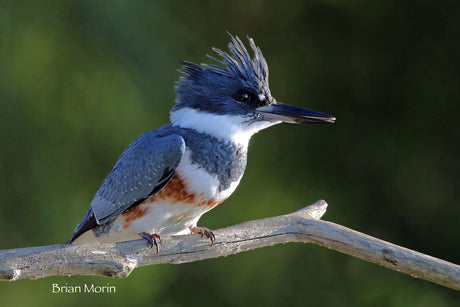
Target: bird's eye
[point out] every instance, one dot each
(242, 96)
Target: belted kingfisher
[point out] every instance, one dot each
(169, 177)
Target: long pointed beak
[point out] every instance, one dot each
(291, 114)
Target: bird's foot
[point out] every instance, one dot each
(203, 231)
(151, 238)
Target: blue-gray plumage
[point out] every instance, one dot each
(143, 168)
(167, 178)
(212, 88)
(225, 159)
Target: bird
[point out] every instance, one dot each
(167, 178)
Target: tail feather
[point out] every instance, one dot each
(88, 222)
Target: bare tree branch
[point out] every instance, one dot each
(118, 260)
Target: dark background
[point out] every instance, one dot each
(79, 80)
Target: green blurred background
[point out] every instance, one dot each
(79, 80)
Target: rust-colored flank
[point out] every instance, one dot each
(133, 214)
(210, 203)
(174, 192)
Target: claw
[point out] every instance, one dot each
(151, 238)
(203, 231)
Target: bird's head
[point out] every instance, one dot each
(233, 100)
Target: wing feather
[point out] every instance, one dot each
(149, 162)
(142, 170)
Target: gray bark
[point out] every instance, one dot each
(120, 259)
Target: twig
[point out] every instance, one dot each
(119, 259)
